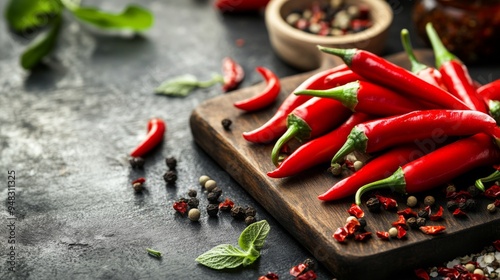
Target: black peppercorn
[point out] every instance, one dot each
(136, 162)
(217, 191)
(250, 220)
(473, 190)
(310, 264)
(171, 163)
(373, 204)
(212, 197)
(412, 222)
(452, 205)
(193, 202)
(192, 193)
(238, 212)
(462, 205)
(226, 124)
(420, 221)
(470, 204)
(170, 177)
(212, 210)
(422, 213)
(137, 187)
(362, 224)
(182, 199)
(250, 211)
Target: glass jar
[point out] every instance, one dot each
(470, 29)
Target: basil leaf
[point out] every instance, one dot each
(22, 15)
(133, 18)
(185, 84)
(41, 45)
(254, 236)
(224, 256)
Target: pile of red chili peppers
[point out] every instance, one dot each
(425, 126)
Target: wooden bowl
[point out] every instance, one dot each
(299, 48)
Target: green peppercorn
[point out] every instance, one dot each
(412, 222)
(421, 221)
(250, 211)
(171, 163)
(203, 179)
(212, 210)
(238, 212)
(373, 204)
(170, 177)
(194, 214)
(452, 205)
(193, 202)
(136, 162)
(429, 200)
(192, 193)
(210, 185)
(250, 220)
(411, 201)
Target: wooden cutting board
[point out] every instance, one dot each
(293, 201)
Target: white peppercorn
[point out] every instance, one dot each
(478, 271)
(203, 179)
(491, 208)
(470, 267)
(194, 214)
(393, 232)
(429, 200)
(357, 165)
(210, 185)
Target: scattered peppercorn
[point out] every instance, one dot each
(210, 185)
(423, 213)
(136, 162)
(470, 204)
(212, 210)
(429, 200)
(238, 212)
(393, 232)
(226, 124)
(421, 221)
(182, 199)
(411, 201)
(194, 214)
(310, 264)
(193, 202)
(462, 205)
(470, 267)
(491, 208)
(137, 187)
(250, 211)
(212, 197)
(250, 220)
(192, 193)
(357, 165)
(171, 163)
(373, 204)
(335, 169)
(226, 205)
(412, 222)
(451, 188)
(473, 190)
(170, 177)
(203, 179)
(362, 224)
(217, 191)
(452, 205)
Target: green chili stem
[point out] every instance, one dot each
(346, 54)
(490, 178)
(297, 128)
(395, 182)
(416, 66)
(154, 253)
(356, 141)
(346, 94)
(494, 108)
(440, 52)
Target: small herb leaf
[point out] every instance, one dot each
(254, 236)
(22, 15)
(223, 256)
(41, 46)
(133, 18)
(185, 84)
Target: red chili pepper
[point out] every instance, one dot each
(438, 167)
(267, 96)
(491, 95)
(156, 130)
(233, 74)
(387, 202)
(276, 125)
(318, 150)
(231, 6)
(362, 236)
(436, 125)
(373, 170)
(438, 216)
(455, 74)
(335, 79)
(422, 274)
(309, 120)
(448, 272)
(496, 244)
(369, 98)
(432, 230)
(492, 192)
(384, 235)
(383, 72)
(356, 211)
(424, 72)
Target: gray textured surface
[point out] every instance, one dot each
(67, 127)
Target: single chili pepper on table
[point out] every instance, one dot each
(368, 98)
(318, 150)
(267, 96)
(415, 126)
(425, 72)
(490, 93)
(383, 72)
(455, 74)
(276, 125)
(375, 169)
(438, 167)
(156, 130)
(233, 74)
(309, 120)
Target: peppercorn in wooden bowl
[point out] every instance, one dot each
(296, 27)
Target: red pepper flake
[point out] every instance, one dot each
(459, 195)
(356, 211)
(180, 206)
(492, 192)
(269, 276)
(497, 203)
(401, 232)
(459, 213)
(496, 244)
(362, 236)
(422, 274)
(432, 230)
(438, 215)
(340, 234)
(240, 42)
(448, 272)
(387, 202)
(226, 205)
(140, 180)
(352, 226)
(400, 222)
(408, 212)
(308, 275)
(384, 235)
(298, 269)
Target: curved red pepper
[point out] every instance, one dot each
(267, 96)
(369, 98)
(276, 125)
(233, 74)
(156, 130)
(438, 167)
(318, 150)
(375, 169)
(383, 72)
(309, 120)
(455, 74)
(436, 125)
(240, 5)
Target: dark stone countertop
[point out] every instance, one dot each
(67, 127)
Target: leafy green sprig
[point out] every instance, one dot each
(250, 243)
(45, 16)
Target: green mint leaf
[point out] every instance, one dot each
(41, 46)
(185, 84)
(224, 256)
(133, 18)
(254, 236)
(22, 15)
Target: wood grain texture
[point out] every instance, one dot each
(293, 201)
